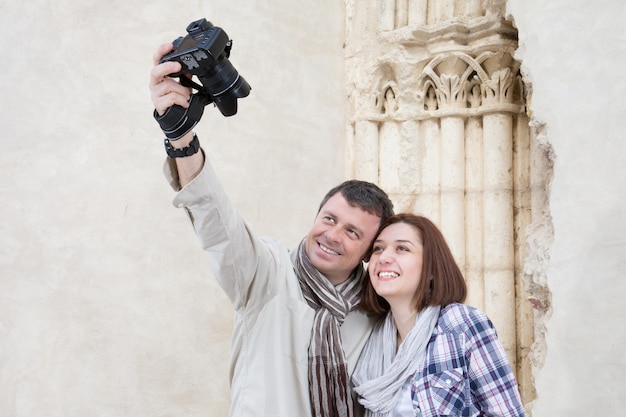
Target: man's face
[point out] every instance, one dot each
(340, 237)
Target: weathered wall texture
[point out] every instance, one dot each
(571, 52)
(106, 305)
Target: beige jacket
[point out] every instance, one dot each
(272, 328)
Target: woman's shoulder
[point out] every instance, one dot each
(462, 318)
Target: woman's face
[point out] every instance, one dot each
(395, 266)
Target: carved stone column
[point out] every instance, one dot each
(438, 120)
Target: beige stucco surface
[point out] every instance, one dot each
(107, 307)
(106, 304)
(572, 52)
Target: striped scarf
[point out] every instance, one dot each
(329, 383)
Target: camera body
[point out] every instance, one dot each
(204, 52)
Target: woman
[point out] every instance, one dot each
(429, 355)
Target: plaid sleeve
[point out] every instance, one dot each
(492, 381)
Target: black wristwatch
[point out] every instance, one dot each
(188, 150)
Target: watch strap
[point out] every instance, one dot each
(192, 148)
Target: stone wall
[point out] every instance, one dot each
(438, 118)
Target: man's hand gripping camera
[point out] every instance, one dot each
(203, 53)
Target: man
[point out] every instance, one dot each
(298, 331)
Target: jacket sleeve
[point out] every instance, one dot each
(243, 264)
(492, 380)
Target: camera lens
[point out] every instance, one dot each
(224, 85)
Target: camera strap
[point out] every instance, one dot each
(202, 92)
(188, 82)
(178, 121)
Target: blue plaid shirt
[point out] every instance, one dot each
(467, 372)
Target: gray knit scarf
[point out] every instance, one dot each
(381, 372)
(329, 383)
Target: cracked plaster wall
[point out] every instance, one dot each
(571, 52)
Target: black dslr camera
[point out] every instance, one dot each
(204, 53)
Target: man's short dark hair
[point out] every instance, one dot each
(364, 195)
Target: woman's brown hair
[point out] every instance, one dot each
(441, 281)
